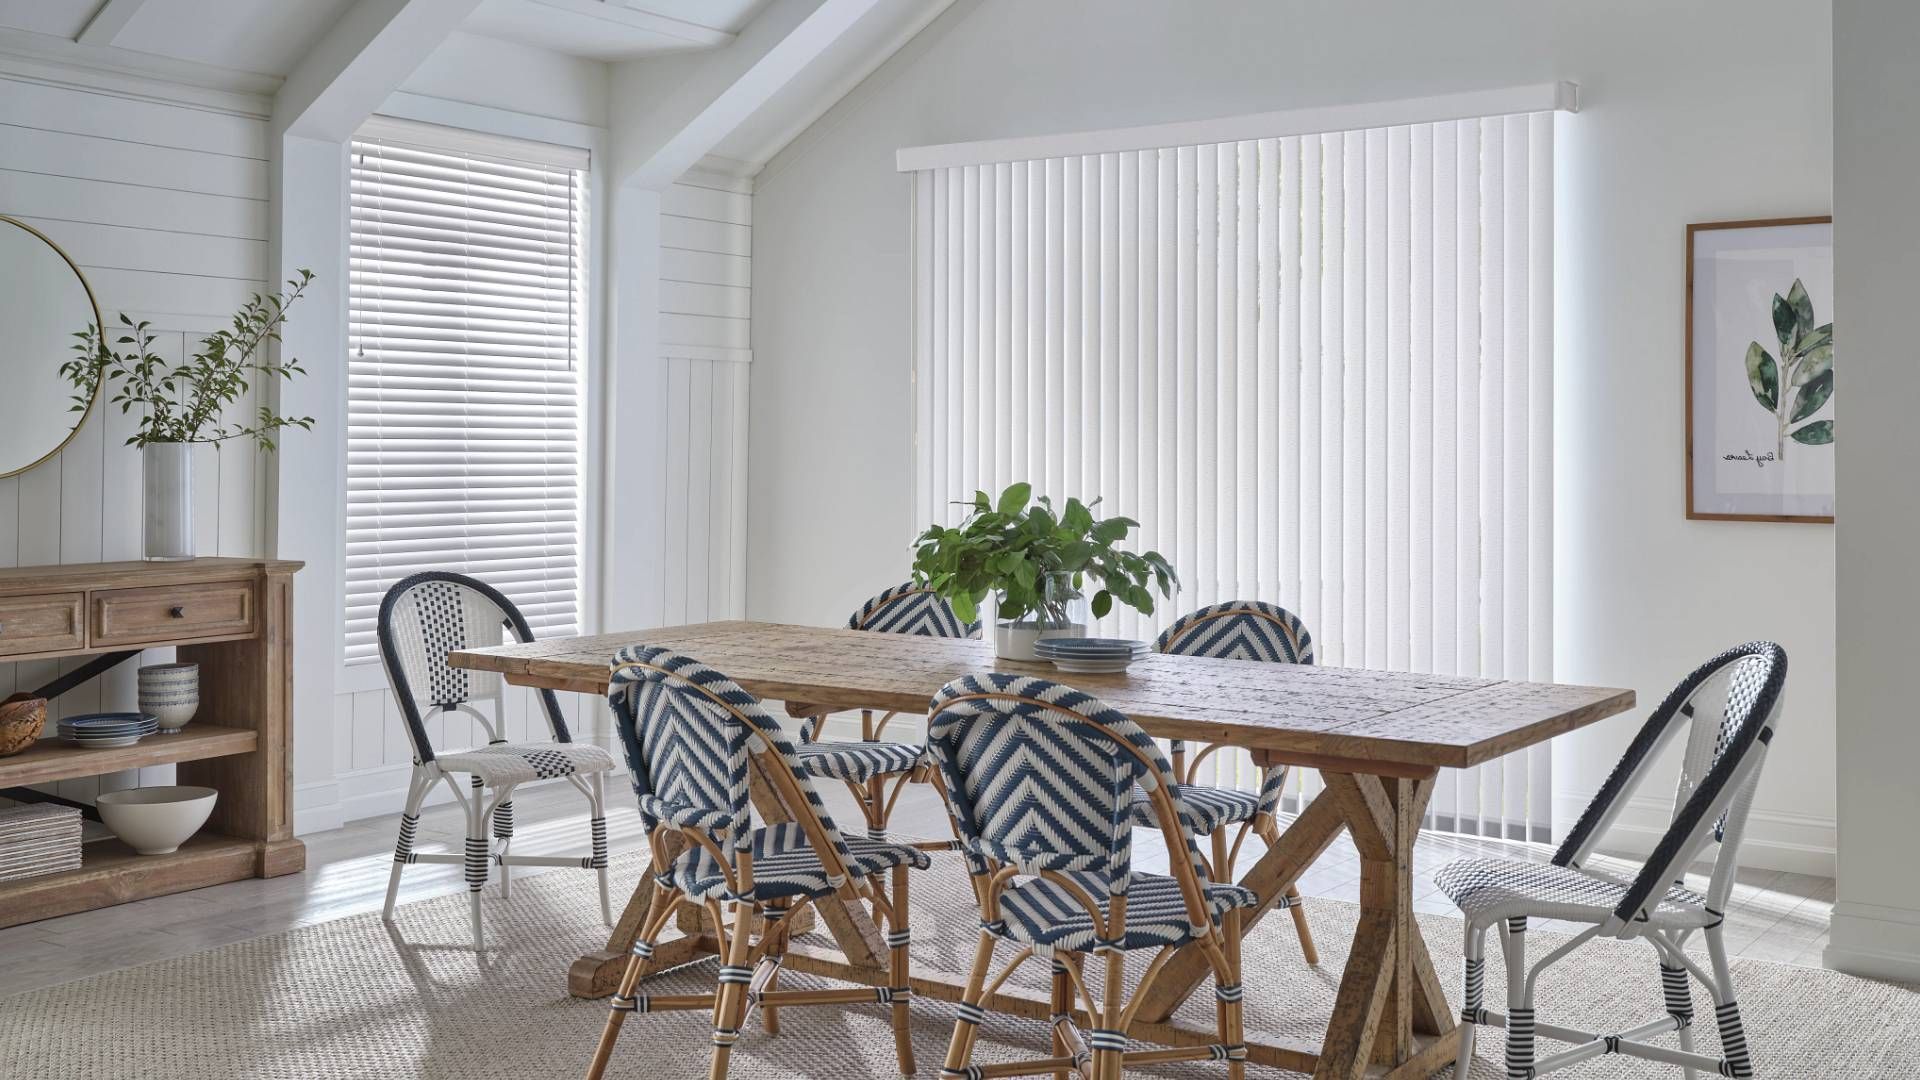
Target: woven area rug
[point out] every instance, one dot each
(355, 998)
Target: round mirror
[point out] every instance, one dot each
(44, 301)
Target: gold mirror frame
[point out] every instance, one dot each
(98, 322)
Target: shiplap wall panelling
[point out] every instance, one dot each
(164, 207)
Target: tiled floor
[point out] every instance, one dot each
(1773, 916)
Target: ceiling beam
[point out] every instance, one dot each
(651, 22)
(699, 98)
(365, 56)
(107, 22)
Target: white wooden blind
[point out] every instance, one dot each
(1316, 368)
(466, 344)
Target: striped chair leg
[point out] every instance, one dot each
(899, 937)
(1734, 1058)
(409, 828)
(730, 1005)
(1232, 1018)
(477, 857)
(626, 999)
(1520, 1051)
(1678, 990)
(968, 1014)
(1473, 1010)
(1061, 1014)
(503, 838)
(596, 793)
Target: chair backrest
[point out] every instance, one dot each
(1730, 708)
(911, 609)
(426, 616)
(1240, 630)
(1040, 777)
(688, 732)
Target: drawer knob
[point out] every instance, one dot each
(177, 612)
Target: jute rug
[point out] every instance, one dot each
(352, 999)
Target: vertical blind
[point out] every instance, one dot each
(466, 348)
(1317, 369)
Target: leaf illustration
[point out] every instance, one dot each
(1812, 396)
(1818, 433)
(1821, 335)
(1784, 321)
(1802, 307)
(1764, 376)
(1815, 363)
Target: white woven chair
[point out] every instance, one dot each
(422, 618)
(1731, 709)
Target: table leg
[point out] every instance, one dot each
(1388, 992)
(1303, 842)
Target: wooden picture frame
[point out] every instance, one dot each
(1751, 254)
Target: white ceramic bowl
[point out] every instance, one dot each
(156, 820)
(170, 693)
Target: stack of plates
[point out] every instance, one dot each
(38, 839)
(107, 729)
(1090, 655)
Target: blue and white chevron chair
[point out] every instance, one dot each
(1730, 709)
(691, 735)
(421, 619)
(1040, 780)
(867, 766)
(1236, 630)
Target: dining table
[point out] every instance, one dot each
(1378, 739)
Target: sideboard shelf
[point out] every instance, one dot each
(112, 873)
(51, 760)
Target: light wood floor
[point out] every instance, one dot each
(1774, 916)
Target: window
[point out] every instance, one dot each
(1317, 368)
(466, 351)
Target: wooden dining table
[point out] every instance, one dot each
(1378, 739)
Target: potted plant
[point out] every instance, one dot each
(1037, 564)
(184, 403)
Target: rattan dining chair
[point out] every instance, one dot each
(1040, 780)
(691, 737)
(422, 618)
(1236, 630)
(867, 766)
(1730, 709)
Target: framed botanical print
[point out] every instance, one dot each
(1760, 428)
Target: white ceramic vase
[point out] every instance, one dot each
(167, 469)
(170, 693)
(1065, 614)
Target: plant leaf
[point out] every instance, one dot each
(1783, 321)
(1014, 499)
(1812, 396)
(1818, 336)
(1814, 364)
(1802, 308)
(1102, 603)
(1764, 376)
(1818, 433)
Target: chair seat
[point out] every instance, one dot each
(1489, 890)
(1042, 912)
(518, 763)
(1208, 807)
(857, 761)
(784, 865)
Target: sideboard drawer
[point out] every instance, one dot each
(43, 623)
(172, 613)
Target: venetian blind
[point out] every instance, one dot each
(1317, 369)
(466, 344)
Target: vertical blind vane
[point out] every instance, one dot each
(465, 330)
(1316, 368)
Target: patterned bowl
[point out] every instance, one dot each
(22, 719)
(170, 693)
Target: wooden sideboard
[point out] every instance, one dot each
(234, 617)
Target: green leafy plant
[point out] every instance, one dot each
(184, 402)
(1801, 382)
(1011, 544)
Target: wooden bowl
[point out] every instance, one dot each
(22, 718)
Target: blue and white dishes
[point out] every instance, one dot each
(103, 730)
(1090, 655)
(170, 693)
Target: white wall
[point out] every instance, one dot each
(1681, 123)
(1876, 148)
(163, 204)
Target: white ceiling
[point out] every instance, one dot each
(262, 37)
(614, 29)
